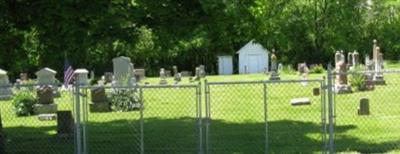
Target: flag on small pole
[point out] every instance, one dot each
(68, 73)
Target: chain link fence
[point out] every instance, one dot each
(28, 116)
(367, 116)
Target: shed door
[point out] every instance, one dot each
(225, 65)
(254, 63)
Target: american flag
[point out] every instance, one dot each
(68, 73)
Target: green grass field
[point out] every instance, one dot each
(237, 123)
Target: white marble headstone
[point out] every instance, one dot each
(82, 76)
(5, 92)
(122, 67)
(46, 76)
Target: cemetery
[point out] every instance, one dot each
(199, 76)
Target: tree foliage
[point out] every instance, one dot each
(162, 33)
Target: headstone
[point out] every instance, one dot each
(378, 61)
(186, 73)
(65, 124)
(341, 85)
(46, 76)
(197, 74)
(202, 71)
(24, 77)
(274, 67)
(316, 92)
(82, 76)
(47, 117)
(140, 74)
(123, 69)
(300, 101)
(45, 104)
(99, 100)
(177, 76)
(363, 109)
(92, 76)
(163, 77)
(356, 58)
(280, 67)
(349, 60)
(108, 77)
(5, 87)
(337, 57)
(302, 69)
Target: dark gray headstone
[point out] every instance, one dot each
(363, 109)
(45, 94)
(65, 124)
(98, 95)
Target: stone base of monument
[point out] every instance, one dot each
(342, 89)
(274, 77)
(300, 101)
(47, 117)
(65, 124)
(99, 107)
(163, 82)
(5, 93)
(363, 109)
(44, 108)
(378, 80)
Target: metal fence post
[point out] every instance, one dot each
(331, 144)
(78, 136)
(141, 121)
(265, 117)
(199, 117)
(208, 116)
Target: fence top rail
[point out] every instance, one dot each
(10, 85)
(145, 86)
(363, 72)
(264, 81)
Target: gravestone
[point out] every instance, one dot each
(46, 76)
(363, 109)
(197, 74)
(24, 77)
(349, 60)
(167, 73)
(163, 77)
(5, 87)
(186, 73)
(177, 76)
(274, 67)
(108, 77)
(378, 61)
(140, 74)
(302, 69)
(81, 76)
(65, 124)
(123, 71)
(99, 100)
(316, 92)
(355, 58)
(341, 85)
(300, 101)
(280, 67)
(45, 103)
(202, 71)
(337, 57)
(47, 117)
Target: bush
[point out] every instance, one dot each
(124, 100)
(358, 80)
(317, 69)
(23, 103)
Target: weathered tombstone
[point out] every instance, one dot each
(81, 76)
(163, 77)
(167, 73)
(202, 72)
(363, 109)
(274, 67)
(378, 61)
(5, 88)
(45, 104)
(47, 117)
(341, 85)
(316, 92)
(46, 76)
(302, 69)
(24, 77)
(140, 74)
(186, 73)
(99, 100)
(280, 67)
(108, 77)
(65, 124)
(349, 60)
(123, 69)
(355, 58)
(300, 101)
(337, 57)
(177, 76)
(197, 74)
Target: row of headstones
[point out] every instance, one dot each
(373, 76)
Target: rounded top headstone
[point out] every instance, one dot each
(81, 71)
(122, 58)
(3, 72)
(46, 70)
(375, 41)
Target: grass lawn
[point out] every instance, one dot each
(236, 124)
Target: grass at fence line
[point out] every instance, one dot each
(237, 124)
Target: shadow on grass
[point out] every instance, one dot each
(182, 136)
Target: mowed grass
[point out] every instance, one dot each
(236, 124)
